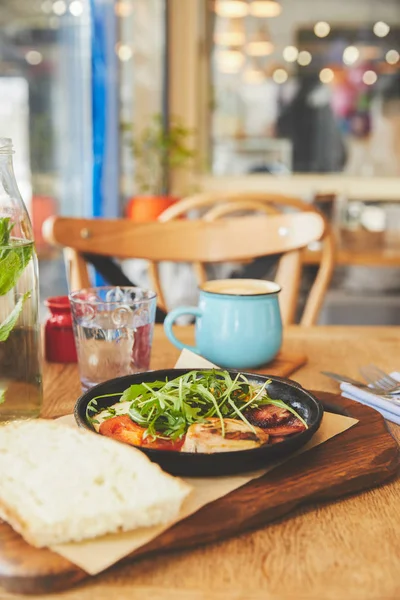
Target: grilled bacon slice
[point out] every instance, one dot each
(294, 425)
(274, 420)
(268, 416)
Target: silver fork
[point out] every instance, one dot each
(379, 379)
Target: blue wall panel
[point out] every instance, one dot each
(105, 110)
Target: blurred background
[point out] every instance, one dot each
(291, 96)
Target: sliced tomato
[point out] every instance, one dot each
(123, 429)
(162, 444)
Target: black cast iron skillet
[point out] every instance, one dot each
(218, 463)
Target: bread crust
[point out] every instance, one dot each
(12, 518)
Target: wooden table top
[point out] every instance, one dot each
(373, 257)
(348, 549)
(361, 248)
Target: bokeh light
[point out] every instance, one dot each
(304, 58)
(351, 54)
(326, 75)
(381, 29)
(59, 8)
(280, 76)
(392, 57)
(33, 57)
(370, 77)
(124, 52)
(322, 29)
(290, 54)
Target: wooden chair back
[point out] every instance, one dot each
(222, 204)
(195, 241)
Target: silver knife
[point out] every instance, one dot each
(344, 379)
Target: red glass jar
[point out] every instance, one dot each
(59, 339)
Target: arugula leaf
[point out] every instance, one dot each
(192, 414)
(8, 323)
(137, 389)
(136, 416)
(93, 408)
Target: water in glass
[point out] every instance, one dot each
(113, 331)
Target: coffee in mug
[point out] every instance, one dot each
(238, 323)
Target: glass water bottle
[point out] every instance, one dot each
(20, 348)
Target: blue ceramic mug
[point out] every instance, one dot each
(238, 323)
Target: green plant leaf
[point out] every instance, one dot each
(13, 260)
(3, 395)
(158, 149)
(8, 324)
(10, 264)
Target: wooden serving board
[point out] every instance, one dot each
(362, 457)
(284, 364)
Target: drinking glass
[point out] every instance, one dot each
(113, 328)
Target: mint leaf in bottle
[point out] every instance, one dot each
(8, 324)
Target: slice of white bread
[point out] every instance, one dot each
(61, 484)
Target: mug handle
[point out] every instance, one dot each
(169, 322)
